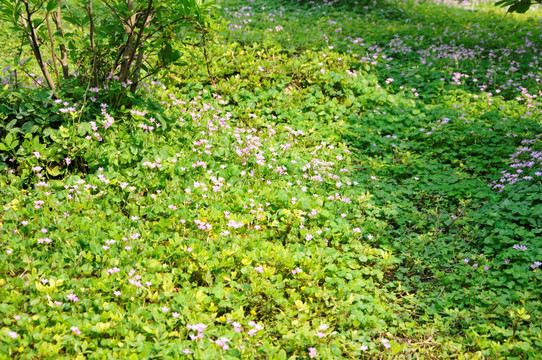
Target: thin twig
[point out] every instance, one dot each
(205, 56)
(63, 52)
(114, 11)
(52, 47)
(92, 44)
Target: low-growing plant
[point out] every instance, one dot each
(347, 189)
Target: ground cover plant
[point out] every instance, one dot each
(354, 180)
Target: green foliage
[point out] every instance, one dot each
(95, 43)
(302, 201)
(517, 6)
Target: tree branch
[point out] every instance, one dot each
(137, 46)
(34, 44)
(92, 45)
(52, 47)
(62, 47)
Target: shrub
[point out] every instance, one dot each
(91, 54)
(98, 42)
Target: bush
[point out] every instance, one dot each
(98, 42)
(91, 54)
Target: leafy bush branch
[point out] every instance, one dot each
(104, 41)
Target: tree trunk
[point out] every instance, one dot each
(135, 45)
(34, 44)
(129, 46)
(137, 72)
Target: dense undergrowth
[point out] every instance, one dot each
(362, 181)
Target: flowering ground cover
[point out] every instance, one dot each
(357, 181)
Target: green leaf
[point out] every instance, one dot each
(83, 129)
(520, 7)
(11, 124)
(149, 329)
(52, 5)
(29, 127)
(167, 53)
(8, 139)
(54, 171)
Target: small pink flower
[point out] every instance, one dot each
(386, 343)
(237, 327)
(72, 297)
(44, 240)
(312, 352)
(222, 342)
(198, 327)
(255, 329)
(76, 330)
(13, 334)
